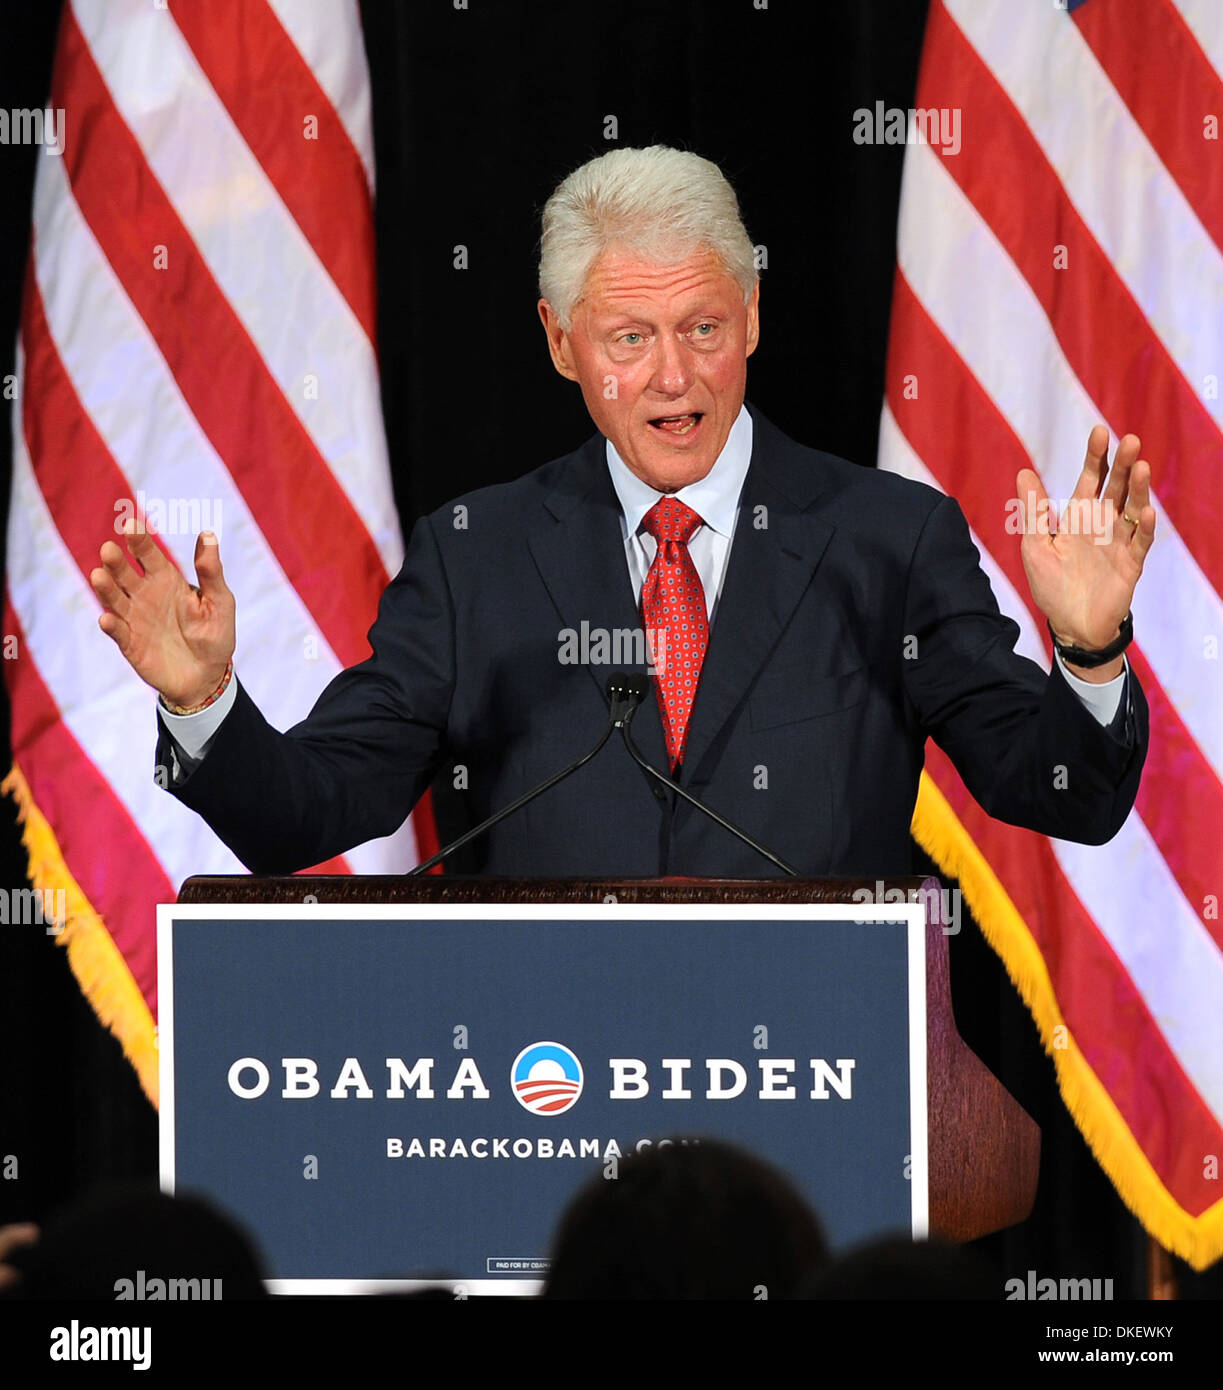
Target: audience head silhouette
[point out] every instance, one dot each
(897, 1267)
(693, 1220)
(130, 1242)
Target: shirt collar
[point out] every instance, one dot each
(715, 498)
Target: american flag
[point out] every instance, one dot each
(197, 343)
(1065, 267)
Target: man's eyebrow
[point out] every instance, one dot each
(614, 318)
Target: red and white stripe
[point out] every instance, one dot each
(243, 374)
(1085, 131)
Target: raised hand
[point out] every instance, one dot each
(1083, 567)
(176, 636)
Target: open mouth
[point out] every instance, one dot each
(677, 424)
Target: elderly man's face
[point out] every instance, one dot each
(660, 352)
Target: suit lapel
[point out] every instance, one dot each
(578, 548)
(775, 552)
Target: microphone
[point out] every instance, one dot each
(617, 713)
(627, 691)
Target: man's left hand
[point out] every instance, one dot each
(1083, 566)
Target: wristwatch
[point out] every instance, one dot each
(1082, 656)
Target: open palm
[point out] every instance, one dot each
(177, 637)
(1083, 567)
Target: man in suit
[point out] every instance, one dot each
(813, 622)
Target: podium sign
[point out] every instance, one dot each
(393, 1093)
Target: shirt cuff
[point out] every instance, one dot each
(1102, 700)
(194, 732)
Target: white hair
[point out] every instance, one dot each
(657, 202)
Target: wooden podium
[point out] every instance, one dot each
(984, 1149)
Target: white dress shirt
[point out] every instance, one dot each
(715, 499)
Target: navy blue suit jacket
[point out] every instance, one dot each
(854, 623)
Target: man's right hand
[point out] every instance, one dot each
(177, 637)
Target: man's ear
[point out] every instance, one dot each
(558, 341)
(753, 320)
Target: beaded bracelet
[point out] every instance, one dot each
(198, 709)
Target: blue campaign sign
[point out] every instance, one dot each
(385, 1093)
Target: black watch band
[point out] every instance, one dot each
(1081, 656)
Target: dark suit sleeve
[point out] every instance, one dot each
(1025, 745)
(353, 769)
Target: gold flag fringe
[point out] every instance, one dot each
(96, 961)
(1196, 1239)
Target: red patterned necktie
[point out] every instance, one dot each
(673, 610)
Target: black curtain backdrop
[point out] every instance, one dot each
(478, 113)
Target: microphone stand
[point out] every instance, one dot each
(515, 805)
(632, 690)
(626, 693)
